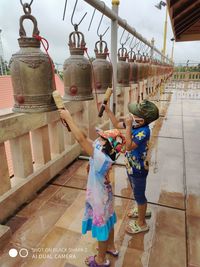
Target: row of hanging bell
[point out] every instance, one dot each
(138, 68)
(31, 72)
(133, 71)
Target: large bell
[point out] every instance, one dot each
(140, 66)
(146, 67)
(150, 75)
(133, 76)
(31, 73)
(102, 68)
(155, 71)
(150, 72)
(77, 70)
(123, 67)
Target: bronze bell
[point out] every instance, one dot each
(31, 73)
(133, 76)
(123, 67)
(146, 67)
(154, 69)
(77, 70)
(140, 67)
(102, 68)
(150, 72)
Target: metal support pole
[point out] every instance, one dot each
(172, 53)
(165, 35)
(152, 47)
(113, 49)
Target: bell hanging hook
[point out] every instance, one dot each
(64, 9)
(91, 19)
(127, 38)
(131, 42)
(147, 51)
(135, 43)
(144, 48)
(26, 4)
(26, 7)
(101, 35)
(140, 47)
(72, 16)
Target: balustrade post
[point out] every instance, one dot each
(4, 172)
(56, 135)
(21, 156)
(88, 118)
(126, 99)
(41, 145)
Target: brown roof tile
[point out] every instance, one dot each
(6, 92)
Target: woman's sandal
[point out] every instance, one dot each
(113, 253)
(133, 213)
(133, 228)
(90, 261)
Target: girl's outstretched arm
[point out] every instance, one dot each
(85, 143)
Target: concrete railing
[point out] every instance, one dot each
(38, 147)
(185, 76)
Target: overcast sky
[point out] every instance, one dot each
(140, 14)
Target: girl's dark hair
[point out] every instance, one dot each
(108, 150)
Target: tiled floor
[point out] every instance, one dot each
(48, 229)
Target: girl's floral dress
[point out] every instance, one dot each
(99, 216)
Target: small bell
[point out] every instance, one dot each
(146, 67)
(123, 67)
(140, 65)
(77, 70)
(102, 68)
(133, 77)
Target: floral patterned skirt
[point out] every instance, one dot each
(99, 216)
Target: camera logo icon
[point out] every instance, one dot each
(13, 252)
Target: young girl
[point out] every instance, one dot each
(99, 216)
